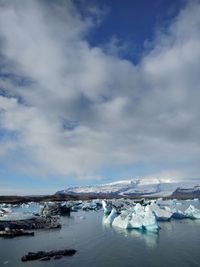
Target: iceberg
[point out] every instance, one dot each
(192, 212)
(136, 221)
(139, 209)
(139, 219)
(106, 208)
(162, 214)
(109, 219)
(178, 214)
(122, 221)
(89, 206)
(149, 221)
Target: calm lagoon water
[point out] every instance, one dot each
(177, 244)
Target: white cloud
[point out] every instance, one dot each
(81, 109)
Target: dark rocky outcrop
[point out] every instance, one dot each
(186, 193)
(39, 222)
(43, 255)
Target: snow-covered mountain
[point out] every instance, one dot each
(134, 187)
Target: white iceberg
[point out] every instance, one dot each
(149, 221)
(109, 219)
(192, 212)
(141, 219)
(122, 221)
(162, 214)
(139, 209)
(136, 221)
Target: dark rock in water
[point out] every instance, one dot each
(29, 224)
(43, 255)
(15, 232)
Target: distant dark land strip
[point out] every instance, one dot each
(55, 197)
(178, 194)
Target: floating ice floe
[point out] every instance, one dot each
(15, 216)
(192, 212)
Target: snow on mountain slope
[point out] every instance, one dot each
(142, 187)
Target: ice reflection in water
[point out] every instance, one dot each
(149, 237)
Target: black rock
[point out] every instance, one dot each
(29, 224)
(44, 255)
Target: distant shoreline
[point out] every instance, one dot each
(56, 197)
(66, 197)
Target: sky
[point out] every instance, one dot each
(95, 91)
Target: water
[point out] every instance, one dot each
(177, 244)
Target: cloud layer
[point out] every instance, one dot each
(69, 109)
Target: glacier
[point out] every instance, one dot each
(153, 187)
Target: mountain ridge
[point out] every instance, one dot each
(134, 187)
